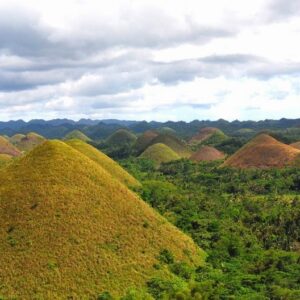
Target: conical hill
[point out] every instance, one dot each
(7, 148)
(69, 230)
(104, 161)
(77, 134)
(264, 152)
(207, 153)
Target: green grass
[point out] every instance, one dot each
(160, 153)
(121, 137)
(174, 143)
(68, 229)
(77, 134)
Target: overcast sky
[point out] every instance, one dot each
(152, 60)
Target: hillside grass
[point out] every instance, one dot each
(7, 148)
(104, 161)
(68, 229)
(77, 134)
(264, 151)
(160, 153)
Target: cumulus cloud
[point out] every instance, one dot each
(148, 59)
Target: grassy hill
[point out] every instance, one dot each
(166, 130)
(144, 140)
(69, 230)
(7, 148)
(27, 142)
(77, 134)
(174, 143)
(207, 153)
(209, 136)
(16, 138)
(104, 161)
(264, 152)
(160, 153)
(121, 137)
(296, 145)
(4, 159)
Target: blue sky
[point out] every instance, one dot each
(152, 60)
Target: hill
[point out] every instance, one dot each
(210, 135)
(207, 153)
(174, 143)
(69, 230)
(296, 145)
(7, 148)
(264, 152)
(27, 142)
(4, 159)
(144, 140)
(16, 138)
(121, 137)
(104, 161)
(160, 153)
(166, 130)
(77, 134)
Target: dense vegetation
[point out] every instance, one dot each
(248, 221)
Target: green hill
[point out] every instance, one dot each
(27, 142)
(69, 230)
(174, 143)
(77, 134)
(16, 138)
(144, 140)
(121, 137)
(160, 153)
(104, 161)
(166, 130)
(7, 148)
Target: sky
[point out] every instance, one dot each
(150, 60)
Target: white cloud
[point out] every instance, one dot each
(153, 59)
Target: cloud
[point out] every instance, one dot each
(152, 59)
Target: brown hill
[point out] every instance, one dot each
(204, 134)
(296, 145)
(144, 140)
(7, 148)
(69, 230)
(29, 141)
(207, 153)
(264, 152)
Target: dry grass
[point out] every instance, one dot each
(17, 138)
(77, 134)
(27, 142)
(7, 148)
(174, 143)
(264, 152)
(105, 162)
(207, 153)
(296, 145)
(5, 159)
(204, 134)
(144, 140)
(68, 229)
(160, 153)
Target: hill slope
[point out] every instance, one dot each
(68, 229)
(296, 145)
(104, 161)
(144, 140)
(207, 153)
(4, 159)
(264, 152)
(208, 133)
(121, 137)
(28, 141)
(174, 143)
(160, 153)
(77, 134)
(7, 148)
